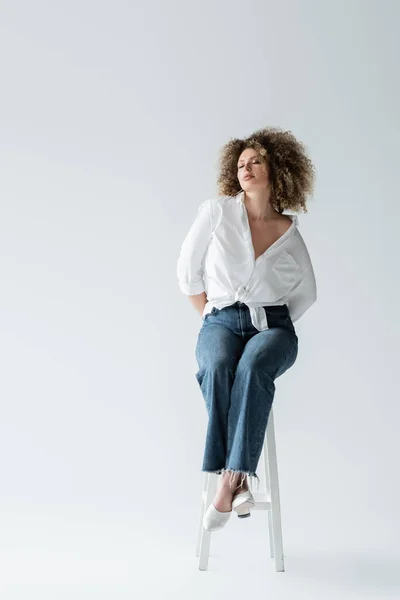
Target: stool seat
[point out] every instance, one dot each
(268, 501)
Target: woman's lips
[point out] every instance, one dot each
(248, 177)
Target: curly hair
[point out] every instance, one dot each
(291, 172)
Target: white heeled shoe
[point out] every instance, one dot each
(214, 519)
(243, 503)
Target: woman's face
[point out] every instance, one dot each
(252, 171)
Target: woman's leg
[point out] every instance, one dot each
(218, 351)
(266, 356)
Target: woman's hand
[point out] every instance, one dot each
(199, 301)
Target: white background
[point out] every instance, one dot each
(112, 117)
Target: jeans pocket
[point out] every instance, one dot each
(212, 312)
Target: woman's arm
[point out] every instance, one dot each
(190, 262)
(303, 295)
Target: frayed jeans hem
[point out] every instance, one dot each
(251, 474)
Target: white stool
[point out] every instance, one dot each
(269, 501)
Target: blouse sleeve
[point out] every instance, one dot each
(303, 295)
(193, 249)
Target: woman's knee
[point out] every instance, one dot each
(219, 364)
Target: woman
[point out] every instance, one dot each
(247, 270)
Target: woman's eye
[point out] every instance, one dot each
(256, 160)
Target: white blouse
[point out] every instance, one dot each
(217, 257)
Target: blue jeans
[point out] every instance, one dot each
(237, 368)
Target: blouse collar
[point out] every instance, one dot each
(293, 217)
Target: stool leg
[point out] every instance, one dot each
(206, 535)
(268, 494)
(202, 511)
(271, 535)
(275, 500)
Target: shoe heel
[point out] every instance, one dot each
(243, 511)
(243, 503)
